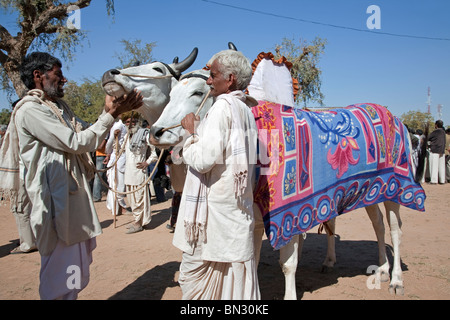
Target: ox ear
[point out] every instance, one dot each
(179, 67)
(231, 46)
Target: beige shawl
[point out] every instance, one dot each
(9, 151)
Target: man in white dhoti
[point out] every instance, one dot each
(215, 221)
(436, 142)
(139, 155)
(116, 173)
(44, 133)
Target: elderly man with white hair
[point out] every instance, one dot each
(215, 221)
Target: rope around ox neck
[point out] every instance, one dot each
(146, 77)
(196, 113)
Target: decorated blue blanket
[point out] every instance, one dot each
(314, 166)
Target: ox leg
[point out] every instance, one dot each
(289, 256)
(330, 259)
(395, 224)
(376, 217)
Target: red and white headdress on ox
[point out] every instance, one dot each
(272, 80)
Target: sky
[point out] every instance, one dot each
(393, 66)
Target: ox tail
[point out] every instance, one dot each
(420, 170)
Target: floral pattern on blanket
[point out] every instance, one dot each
(314, 166)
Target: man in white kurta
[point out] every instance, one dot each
(136, 174)
(221, 264)
(53, 151)
(118, 133)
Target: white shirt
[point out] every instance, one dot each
(230, 223)
(133, 175)
(110, 147)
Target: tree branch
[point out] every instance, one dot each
(3, 58)
(58, 12)
(6, 40)
(38, 18)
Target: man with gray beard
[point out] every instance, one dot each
(139, 155)
(48, 148)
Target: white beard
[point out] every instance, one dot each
(133, 130)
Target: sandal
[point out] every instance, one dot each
(134, 229)
(17, 250)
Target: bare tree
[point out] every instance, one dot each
(40, 23)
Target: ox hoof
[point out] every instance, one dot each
(326, 269)
(398, 290)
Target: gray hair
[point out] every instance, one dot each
(234, 62)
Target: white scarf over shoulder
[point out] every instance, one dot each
(196, 211)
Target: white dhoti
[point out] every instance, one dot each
(65, 272)
(210, 280)
(140, 204)
(437, 167)
(120, 186)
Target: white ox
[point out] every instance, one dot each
(186, 97)
(154, 80)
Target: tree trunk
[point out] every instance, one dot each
(37, 18)
(12, 70)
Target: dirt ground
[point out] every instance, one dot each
(145, 265)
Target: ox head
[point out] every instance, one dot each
(154, 80)
(185, 97)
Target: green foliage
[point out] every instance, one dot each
(86, 100)
(6, 86)
(64, 44)
(305, 58)
(417, 120)
(5, 115)
(42, 25)
(110, 7)
(134, 53)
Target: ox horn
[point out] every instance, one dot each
(179, 67)
(231, 46)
